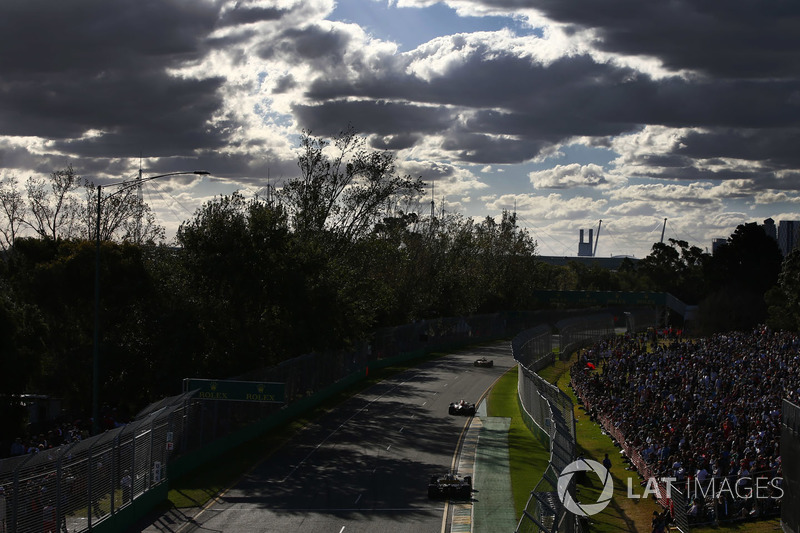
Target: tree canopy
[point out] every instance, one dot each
(341, 250)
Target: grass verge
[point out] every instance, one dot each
(527, 457)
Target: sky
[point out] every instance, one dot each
(567, 111)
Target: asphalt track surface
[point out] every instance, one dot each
(365, 465)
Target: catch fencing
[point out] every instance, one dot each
(550, 414)
(790, 453)
(78, 486)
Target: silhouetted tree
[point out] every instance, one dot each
(346, 193)
(54, 211)
(12, 211)
(784, 299)
(677, 268)
(738, 276)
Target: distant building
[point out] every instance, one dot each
(716, 243)
(770, 229)
(585, 248)
(788, 235)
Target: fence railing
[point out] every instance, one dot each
(550, 414)
(76, 485)
(790, 454)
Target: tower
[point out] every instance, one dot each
(585, 248)
(788, 233)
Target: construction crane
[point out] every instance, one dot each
(597, 238)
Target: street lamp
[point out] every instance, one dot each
(123, 186)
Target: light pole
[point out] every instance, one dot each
(123, 186)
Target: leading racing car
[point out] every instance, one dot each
(462, 407)
(485, 363)
(450, 486)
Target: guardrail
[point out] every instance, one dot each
(549, 413)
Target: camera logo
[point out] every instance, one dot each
(565, 478)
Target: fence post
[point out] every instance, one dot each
(89, 487)
(114, 471)
(15, 507)
(150, 455)
(59, 492)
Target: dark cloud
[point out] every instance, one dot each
(484, 149)
(322, 48)
(96, 65)
(247, 15)
(752, 39)
(775, 148)
(100, 67)
(515, 107)
(398, 141)
(91, 37)
(379, 117)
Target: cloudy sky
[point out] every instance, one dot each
(573, 111)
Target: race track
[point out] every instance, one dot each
(365, 465)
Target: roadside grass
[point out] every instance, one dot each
(198, 487)
(528, 459)
(623, 513)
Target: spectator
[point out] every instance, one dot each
(707, 408)
(17, 447)
(3, 510)
(126, 483)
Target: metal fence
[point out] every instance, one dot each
(790, 454)
(533, 348)
(550, 413)
(76, 485)
(577, 332)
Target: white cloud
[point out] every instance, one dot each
(568, 176)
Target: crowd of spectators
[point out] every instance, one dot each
(698, 409)
(59, 433)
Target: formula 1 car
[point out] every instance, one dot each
(450, 486)
(462, 407)
(485, 363)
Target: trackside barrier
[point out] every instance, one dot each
(549, 413)
(790, 453)
(77, 486)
